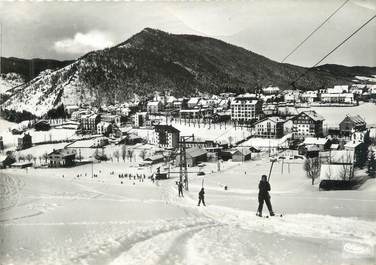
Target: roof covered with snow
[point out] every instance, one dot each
(313, 115)
(356, 119)
(196, 152)
(314, 140)
(153, 103)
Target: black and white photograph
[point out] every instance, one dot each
(206, 132)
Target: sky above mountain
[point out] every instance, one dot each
(67, 30)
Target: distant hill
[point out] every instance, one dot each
(347, 72)
(153, 60)
(29, 68)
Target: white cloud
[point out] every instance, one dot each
(83, 42)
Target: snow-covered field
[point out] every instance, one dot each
(214, 132)
(334, 115)
(46, 218)
(10, 140)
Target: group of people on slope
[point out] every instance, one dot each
(263, 195)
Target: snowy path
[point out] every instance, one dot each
(89, 221)
(238, 237)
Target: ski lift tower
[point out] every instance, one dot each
(183, 159)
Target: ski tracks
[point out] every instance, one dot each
(165, 248)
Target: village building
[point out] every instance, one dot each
(359, 151)
(359, 136)
(194, 156)
(193, 102)
(224, 104)
(104, 128)
(310, 151)
(191, 113)
(221, 116)
(167, 136)
(334, 147)
(270, 127)
(309, 96)
(352, 123)
(24, 164)
(139, 119)
(24, 142)
(42, 125)
(7, 161)
(291, 96)
(62, 157)
(177, 104)
(69, 109)
(270, 109)
(88, 123)
(1, 143)
(227, 95)
(322, 143)
(246, 108)
(76, 115)
(111, 118)
(338, 89)
(307, 124)
(338, 98)
(271, 90)
(241, 154)
(154, 107)
(155, 159)
(170, 102)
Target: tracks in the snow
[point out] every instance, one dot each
(142, 243)
(9, 191)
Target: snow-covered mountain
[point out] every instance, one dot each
(153, 60)
(9, 81)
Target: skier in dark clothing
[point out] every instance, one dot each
(201, 197)
(264, 188)
(180, 188)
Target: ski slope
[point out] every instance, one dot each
(51, 219)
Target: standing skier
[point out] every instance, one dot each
(264, 188)
(201, 197)
(180, 188)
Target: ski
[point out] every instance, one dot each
(268, 216)
(276, 215)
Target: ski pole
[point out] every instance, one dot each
(271, 167)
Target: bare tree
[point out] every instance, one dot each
(45, 156)
(143, 154)
(130, 154)
(345, 172)
(312, 168)
(124, 152)
(117, 155)
(21, 158)
(29, 157)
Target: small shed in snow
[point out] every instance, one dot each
(155, 159)
(242, 154)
